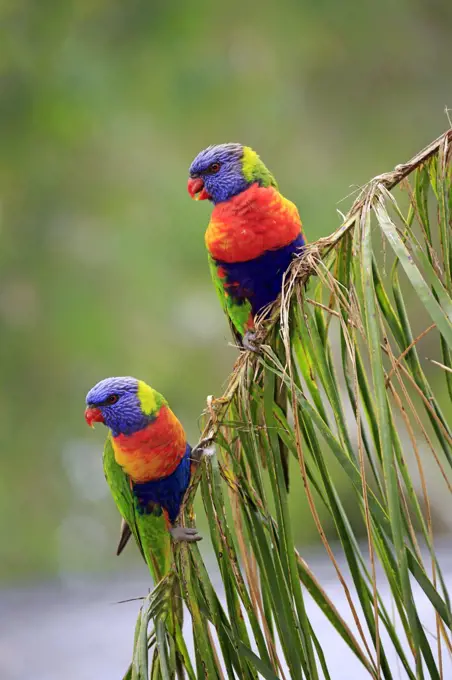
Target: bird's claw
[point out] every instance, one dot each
(209, 450)
(248, 341)
(185, 534)
(198, 452)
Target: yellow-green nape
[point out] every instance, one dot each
(249, 161)
(150, 399)
(255, 170)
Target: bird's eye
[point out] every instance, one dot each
(112, 399)
(213, 168)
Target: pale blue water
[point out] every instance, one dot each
(75, 631)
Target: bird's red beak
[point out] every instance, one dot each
(93, 415)
(196, 189)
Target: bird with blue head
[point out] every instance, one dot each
(253, 234)
(147, 462)
(252, 237)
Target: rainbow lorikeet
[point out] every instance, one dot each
(253, 234)
(147, 464)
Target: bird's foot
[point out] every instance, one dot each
(249, 341)
(203, 449)
(209, 450)
(185, 534)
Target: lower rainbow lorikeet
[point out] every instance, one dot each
(147, 464)
(253, 234)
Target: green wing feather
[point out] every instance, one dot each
(149, 530)
(237, 313)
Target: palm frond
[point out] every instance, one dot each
(354, 316)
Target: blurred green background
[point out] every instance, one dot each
(102, 263)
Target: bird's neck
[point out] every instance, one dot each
(154, 451)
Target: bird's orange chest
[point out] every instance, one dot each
(249, 224)
(153, 452)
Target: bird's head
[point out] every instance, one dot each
(124, 405)
(222, 171)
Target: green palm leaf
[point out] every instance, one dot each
(353, 316)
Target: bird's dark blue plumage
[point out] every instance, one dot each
(167, 492)
(260, 280)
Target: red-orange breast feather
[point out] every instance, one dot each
(255, 221)
(153, 452)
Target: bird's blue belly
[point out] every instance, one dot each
(259, 280)
(167, 492)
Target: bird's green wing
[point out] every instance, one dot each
(238, 313)
(149, 529)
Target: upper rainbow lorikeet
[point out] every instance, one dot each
(147, 464)
(253, 232)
